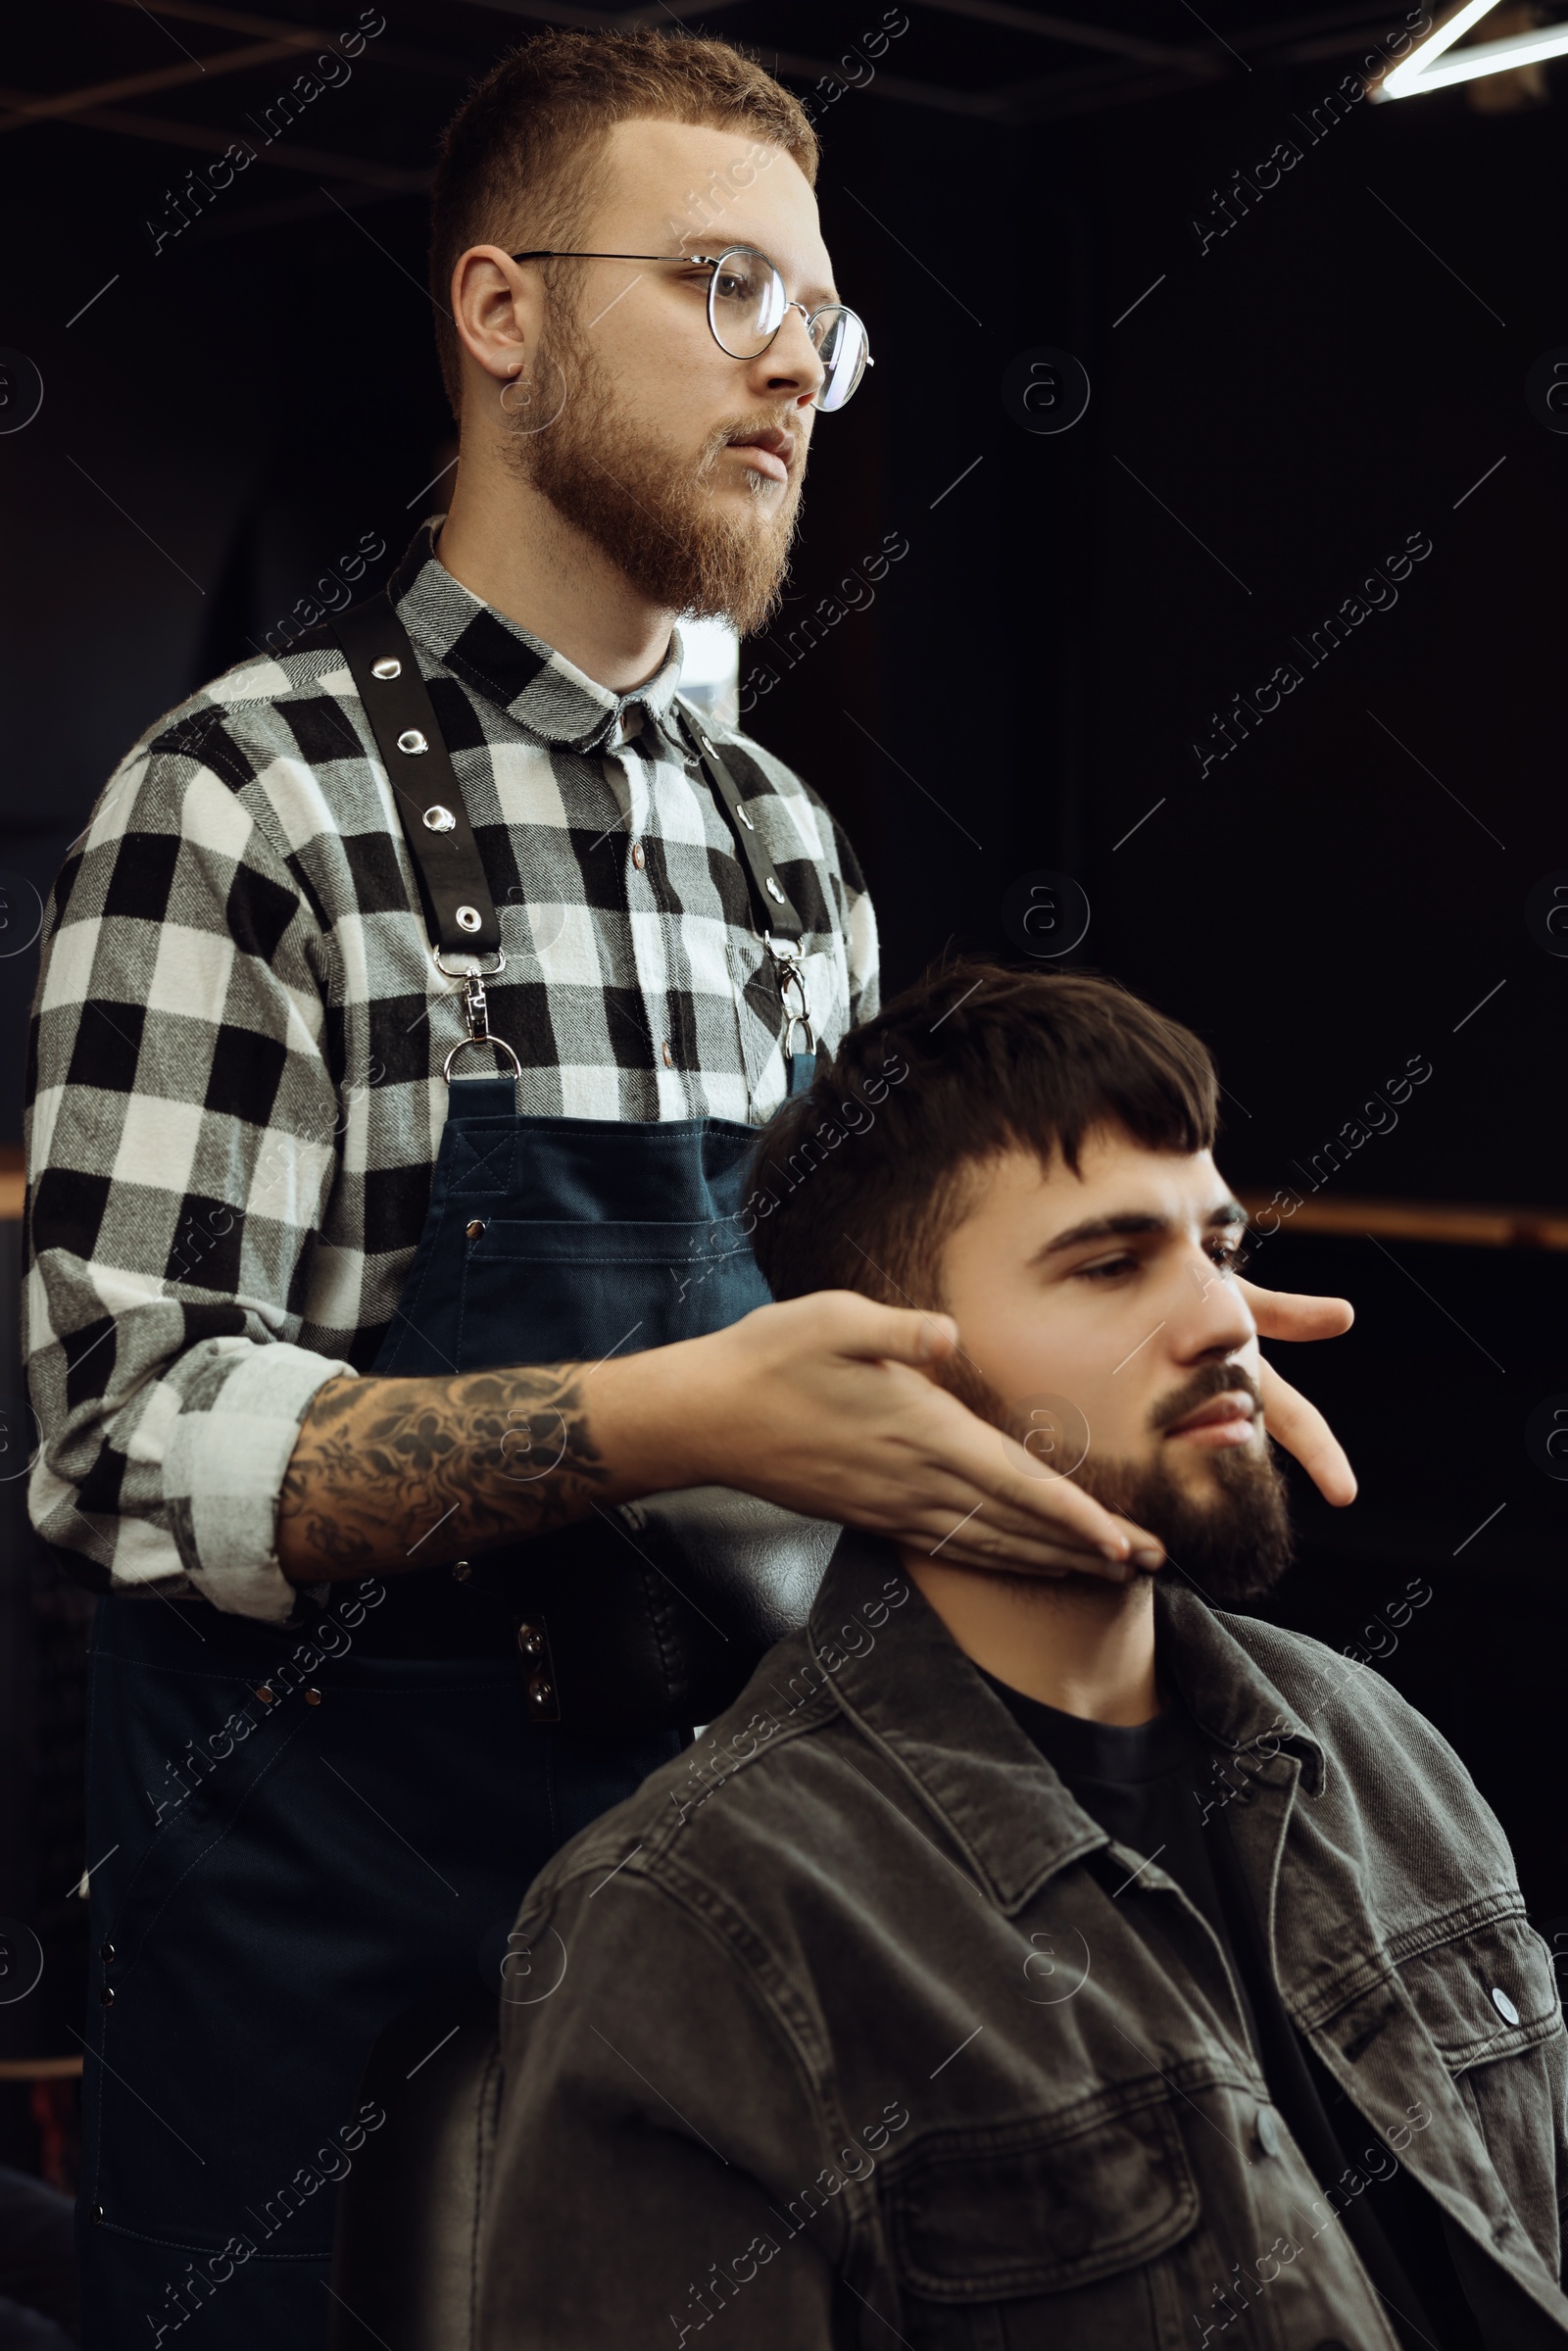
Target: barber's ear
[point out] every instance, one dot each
(497, 309)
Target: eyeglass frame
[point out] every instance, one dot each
(714, 261)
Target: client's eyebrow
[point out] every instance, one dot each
(1113, 1228)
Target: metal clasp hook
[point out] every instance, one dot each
(790, 978)
(476, 1008)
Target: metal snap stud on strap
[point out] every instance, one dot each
(410, 740)
(470, 919)
(773, 890)
(387, 668)
(440, 819)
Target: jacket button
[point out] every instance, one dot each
(461, 1571)
(264, 1694)
(107, 1995)
(670, 1059)
(1503, 2005)
(312, 1697)
(106, 1952)
(639, 855)
(1268, 2130)
(474, 1229)
(97, 2216)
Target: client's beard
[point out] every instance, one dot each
(648, 504)
(1232, 1545)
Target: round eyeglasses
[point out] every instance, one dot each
(748, 304)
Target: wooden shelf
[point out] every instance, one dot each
(1457, 1223)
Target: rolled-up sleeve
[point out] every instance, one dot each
(183, 1136)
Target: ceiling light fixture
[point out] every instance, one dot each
(1436, 65)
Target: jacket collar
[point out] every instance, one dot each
(897, 1673)
(516, 670)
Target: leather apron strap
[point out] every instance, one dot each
(460, 913)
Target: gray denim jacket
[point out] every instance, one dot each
(841, 2031)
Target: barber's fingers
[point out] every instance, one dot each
(1288, 1314)
(1302, 1429)
(1026, 1500)
(949, 1540)
(854, 1325)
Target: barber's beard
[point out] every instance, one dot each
(1228, 1531)
(653, 508)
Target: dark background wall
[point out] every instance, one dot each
(1269, 418)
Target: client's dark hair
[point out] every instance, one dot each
(858, 1183)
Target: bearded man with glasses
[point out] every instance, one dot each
(407, 1384)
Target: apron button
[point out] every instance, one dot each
(312, 1697)
(475, 1229)
(540, 1692)
(530, 1641)
(106, 1997)
(265, 1694)
(106, 1952)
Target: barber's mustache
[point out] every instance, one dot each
(1214, 1379)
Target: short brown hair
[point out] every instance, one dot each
(517, 157)
(858, 1183)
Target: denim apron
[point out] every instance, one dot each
(299, 1833)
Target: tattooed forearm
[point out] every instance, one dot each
(389, 1473)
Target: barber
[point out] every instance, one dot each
(405, 1021)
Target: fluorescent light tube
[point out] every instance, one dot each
(1437, 65)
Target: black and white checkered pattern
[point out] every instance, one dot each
(235, 1096)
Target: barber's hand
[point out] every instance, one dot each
(1288, 1417)
(824, 1404)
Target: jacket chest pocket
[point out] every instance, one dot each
(1489, 1998)
(1045, 2235)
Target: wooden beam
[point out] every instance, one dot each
(1451, 1223)
(306, 37)
(165, 130)
(141, 85)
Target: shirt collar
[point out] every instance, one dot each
(896, 1671)
(516, 670)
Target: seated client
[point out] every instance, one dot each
(1029, 1962)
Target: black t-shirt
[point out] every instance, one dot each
(1151, 1787)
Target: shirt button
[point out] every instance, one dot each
(1503, 2005)
(669, 1060)
(1268, 2130)
(638, 856)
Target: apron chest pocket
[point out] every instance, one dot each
(595, 1287)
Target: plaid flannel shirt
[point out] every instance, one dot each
(234, 1093)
